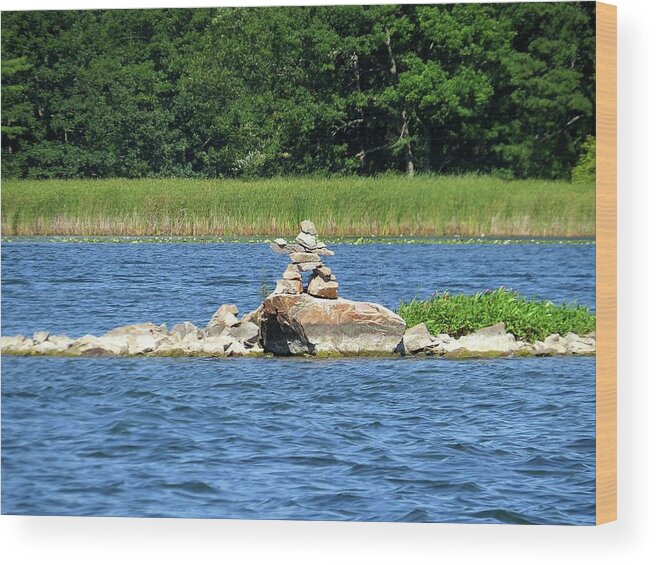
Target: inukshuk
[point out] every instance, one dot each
(305, 255)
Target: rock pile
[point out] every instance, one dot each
(305, 255)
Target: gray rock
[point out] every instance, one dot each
(306, 240)
(324, 251)
(324, 272)
(292, 273)
(280, 242)
(308, 227)
(253, 316)
(181, 330)
(280, 249)
(304, 258)
(246, 333)
(285, 286)
(303, 324)
(308, 266)
(322, 288)
(417, 338)
(225, 316)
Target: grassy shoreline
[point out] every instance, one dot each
(529, 320)
(384, 206)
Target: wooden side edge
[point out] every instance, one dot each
(606, 134)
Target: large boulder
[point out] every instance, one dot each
(303, 324)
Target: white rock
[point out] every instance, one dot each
(417, 338)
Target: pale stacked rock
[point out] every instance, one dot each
(305, 255)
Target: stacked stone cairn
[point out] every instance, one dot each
(305, 255)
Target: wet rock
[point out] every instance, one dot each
(303, 324)
(417, 338)
(40, 337)
(324, 251)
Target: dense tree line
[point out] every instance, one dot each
(493, 88)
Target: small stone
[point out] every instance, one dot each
(417, 338)
(292, 273)
(324, 272)
(321, 288)
(40, 337)
(308, 227)
(280, 249)
(224, 316)
(246, 333)
(280, 241)
(309, 266)
(556, 343)
(285, 286)
(304, 258)
(306, 240)
(321, 245)
(236, 349)
(324, 251)
(185, 328)
(253, 316)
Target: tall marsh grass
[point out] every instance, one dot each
(387, 205)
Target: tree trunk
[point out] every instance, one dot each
(404, 126)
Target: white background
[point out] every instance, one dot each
(629, 540)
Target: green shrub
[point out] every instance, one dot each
(586, 169)
(527, 320)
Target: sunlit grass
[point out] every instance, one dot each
(387, 205)
(528, 320)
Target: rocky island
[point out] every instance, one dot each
(299, 319)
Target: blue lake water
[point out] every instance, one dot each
(507, 440)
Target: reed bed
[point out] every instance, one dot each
(389, 205)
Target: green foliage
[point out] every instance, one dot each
(384, 205)
(527, 320)
(506, 89)
(586, 168)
